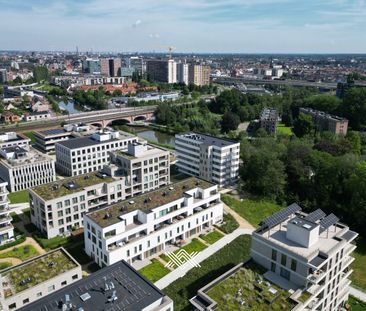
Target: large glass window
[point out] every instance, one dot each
(274, 255)
(283, 259)
(285, 274)
(293, 264)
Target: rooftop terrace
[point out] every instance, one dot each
(35, 271)
(207, 139)
(59, 188)
(148, 201)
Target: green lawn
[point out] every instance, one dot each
(356, 305)
(15, 217)
(22, 253)
(283, 129)
(154, 271)
(212, 237)
(214, 266)
(358, 276)
(252, 210)
(229, 224)
(30, 135)
(18, 197)
(4, 265)
(49, 244)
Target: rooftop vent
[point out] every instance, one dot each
(107, 216)
(131, 202)
(86, 177)
(55, 187)
(25, 281)
(85, 296)
(171, 188)
(71, 185)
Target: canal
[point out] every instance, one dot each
(157, 137)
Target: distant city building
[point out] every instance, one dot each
(136, 63)
(91, 66)
(111, 67)
(117, 287)
(9, 139)
(35, 116)
(25, 283)
(6, 228)
(162, 70)
(17, 91)
(10, 117)
(183, 73)
(3, 76)
(327, 122)
(307, 253)
(207, 157)
(199, 74)
(23, 169)
(268, 120)
(144, 226)
(90, 153)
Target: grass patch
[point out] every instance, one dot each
(27, 213)
(30, 135)
(252, 210)
(229, 224)
(4, 265)
(358, 276)
(212, 237)
(15, 217)
(283, 129)
(78, 253)
(154, 271)
(19, 239)
(18, 197)
(22, 253)
(49, 244)
(356, 305)
(226, 258)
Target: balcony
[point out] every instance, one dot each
(5, 220)
(347, 261)
(315, 276)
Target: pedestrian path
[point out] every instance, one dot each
(357, 293)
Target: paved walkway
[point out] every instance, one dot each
(14, 261)
(18, 207)
(244, 224)
(357, 293)
(209, 251)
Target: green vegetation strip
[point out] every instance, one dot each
(30, 135)
(212, 237)
(229, 224)
(283, 129)
(4, 265)
(226, 258)
(252, 210)
(22, 253)
(18, 197)
(358, 276)
(154, 271)
(356, 305)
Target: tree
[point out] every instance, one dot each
(324, 102)
(354, 107)
(40, 73)
(303, 125)
(230, 122)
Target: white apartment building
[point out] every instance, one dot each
(183, 73)
(145, 225)
(23, 169)
(36, 278)
(6, 228)
(10, 139)
(207, 157)
(162, 70)
(307, 253)
(59, 207)
(90, 153)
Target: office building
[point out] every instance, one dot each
(199, 74)
(162, 70)
(268, 120)
(3, 76)
(327, 122)
(136, 63)
(90, 153)
(117, 287)
(307, 253)
(207, 157)
(110, 67)
(6, 228)
(91, 66)
(58, 207)
(10, 139)
(24, 284)
(144, 226)
(23, 169)
(183, 73)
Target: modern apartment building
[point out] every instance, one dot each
(199, 74)
(307, 253)
(161, 70)
(58, 207)
(326, 122)
(3, 76)
(23, 169)
(207, 157)
(183, 73)
(91, 66)
(90, 153)
(110, 67)
(145, 167)
(10, 139)
(144, 226)
(117, 287)
(6, 228)
(268, 120)
(136, 63)
(23, 284)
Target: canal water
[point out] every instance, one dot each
(157, 137)
(69, 107)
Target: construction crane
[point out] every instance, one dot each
(170, 48)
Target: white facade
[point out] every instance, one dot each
(208, 157)
(10, 139)
(6, 228)
(183, 73)
(144, 226)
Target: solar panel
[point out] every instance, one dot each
(280, 216)
(328, 221)
(316, 215)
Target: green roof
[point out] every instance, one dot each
(125, 155)
(36, 271)
(57, 189)
(148, 201)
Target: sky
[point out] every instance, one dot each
(235, 26)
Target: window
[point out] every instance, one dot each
(293, 264)
(12, 306)
(75, 276)
(51, 288)
(74, 200)
(39, 294)
(285, 274)
(283, 259)
(63, 283)
(67, 202)
(25, 300)
(274, 255)
(273, 267)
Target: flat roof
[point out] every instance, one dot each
(53, 132)
(132, 290)
(36, 271)
(147, 201)
(207, 139)
(57, 188)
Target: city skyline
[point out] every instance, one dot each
(272, 26)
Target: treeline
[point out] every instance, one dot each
(94, 99)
